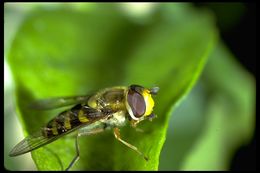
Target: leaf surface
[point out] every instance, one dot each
(65, 52)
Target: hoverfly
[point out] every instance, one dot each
(109, 108)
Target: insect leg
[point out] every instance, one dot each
(133, 124)
(86, 133)
(117, 136)
(82, 133)
(75, 159)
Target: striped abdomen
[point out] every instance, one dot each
(70, 119)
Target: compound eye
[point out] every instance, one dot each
(137, 103)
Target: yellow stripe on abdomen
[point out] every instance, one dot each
(54, 128)
(67, 123)
(82, 118)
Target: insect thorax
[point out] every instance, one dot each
(117, 119)
(113, 99)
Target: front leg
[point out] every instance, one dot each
(134, 123)
(118, 137)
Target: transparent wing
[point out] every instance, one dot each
(33, 142)
(37, 139)
(57, 102)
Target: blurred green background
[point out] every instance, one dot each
(210, 123)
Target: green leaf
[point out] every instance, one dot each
(231, 120)
(216, 118)
(64, 51)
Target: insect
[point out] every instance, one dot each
(110, 108)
